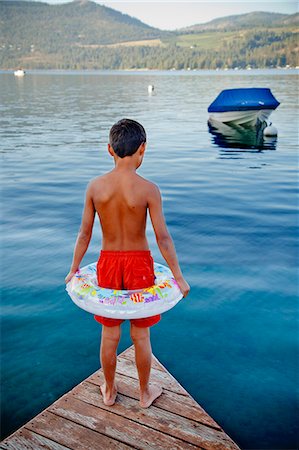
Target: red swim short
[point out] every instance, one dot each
(126, 270)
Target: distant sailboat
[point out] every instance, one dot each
(19, 73)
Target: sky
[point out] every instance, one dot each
(169, 15)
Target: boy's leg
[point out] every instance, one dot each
(143, 357)
(108, 357)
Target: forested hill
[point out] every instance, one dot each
(85, 35)
(256, 19)
(78, 22)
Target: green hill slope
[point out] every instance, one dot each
(78, 22)
(256, 19)
(86, 35)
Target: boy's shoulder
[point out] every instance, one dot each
(147, 184)
(97, 179)
(151, 188)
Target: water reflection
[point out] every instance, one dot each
(232, 136)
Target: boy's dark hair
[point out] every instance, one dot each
(126, 136)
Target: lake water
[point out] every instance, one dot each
(231, 210)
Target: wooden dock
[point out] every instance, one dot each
(79, 420)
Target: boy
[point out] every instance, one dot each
(121, 199)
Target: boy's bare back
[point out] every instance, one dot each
(121, 201)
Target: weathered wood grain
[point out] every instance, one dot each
(128, 368)
(71, 433)
(129, 353)
(169, 401)
(125, 430)
(24, 439)
(79, 420)
(165, 421)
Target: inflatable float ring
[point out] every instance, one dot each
(85, 292)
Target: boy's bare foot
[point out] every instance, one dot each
(108, 396)
(146, 399)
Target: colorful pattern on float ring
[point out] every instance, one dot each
(88, 295)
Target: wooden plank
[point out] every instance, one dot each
(125, 430)
(200, 414)
(169, 401)
(128, 368)
(79, 420)
(71, 433)
(163, 368)
(24, 439)
(165, 421)
(129, 353)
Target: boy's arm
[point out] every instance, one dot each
(84, 234)
(164, 239)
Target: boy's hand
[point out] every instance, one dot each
(184, 286)
(69, 277)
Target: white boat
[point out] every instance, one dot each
(245, 106)
(242, 117)
(232, 136)
(19, 73)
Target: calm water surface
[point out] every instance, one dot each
(230, 208)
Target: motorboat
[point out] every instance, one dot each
(19, 73)
(243, 106)
(230, 136)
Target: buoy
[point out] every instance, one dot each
(19, 73)
(150, 88)
(270, 130)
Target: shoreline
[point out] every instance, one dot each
(282, 70)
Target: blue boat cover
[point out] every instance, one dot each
(244, 99)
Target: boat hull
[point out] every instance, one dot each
(250, 118)
(239, 137)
